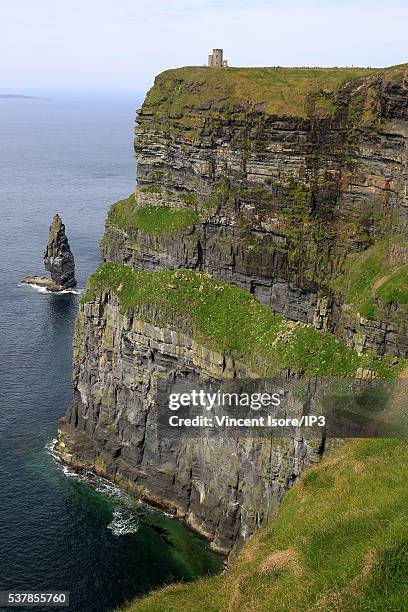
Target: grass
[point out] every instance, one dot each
(230, 320)
(364, 271)
(339, 542)
(293, 92)
(282, 91)
(152, 189)
(155, 220)
(361, 272)
(395, 289)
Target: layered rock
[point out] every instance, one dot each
(142, 336)
(225, 487)
(284, 199)
(386, 335)
(58, 258)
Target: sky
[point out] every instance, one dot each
(120, 45)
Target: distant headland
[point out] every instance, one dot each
(21, 97)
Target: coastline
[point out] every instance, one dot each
(138, 493)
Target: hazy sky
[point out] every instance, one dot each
(113, 45)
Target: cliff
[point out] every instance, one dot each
(267, 235)
(275, 180)
(137, 329)
(224, 487)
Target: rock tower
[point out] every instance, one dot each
(58, 258)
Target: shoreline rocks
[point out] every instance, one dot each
(47, 283)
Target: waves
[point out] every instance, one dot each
(125, 519)
(122, 524)
(45, 290)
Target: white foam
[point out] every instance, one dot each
(123, 523)
(124, 520)
(41, 289)
(36, 287)
(50, 446)
(73, 291)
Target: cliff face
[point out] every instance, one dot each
(284, 191)
(291, 185)
(224, 487)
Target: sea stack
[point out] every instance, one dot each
(58, 258)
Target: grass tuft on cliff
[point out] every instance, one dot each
(154, 220)
(339, 542)
(230, 320)
(369, 276)
(395, 288)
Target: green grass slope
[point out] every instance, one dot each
(395, 288)
(339, 543)
(228, 319)
(369, 276)
(154, 220)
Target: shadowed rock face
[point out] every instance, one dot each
(58, 258)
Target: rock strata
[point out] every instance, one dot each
(224, 486)
(283, 200)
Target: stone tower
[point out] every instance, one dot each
(216, 60)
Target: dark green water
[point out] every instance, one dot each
(60, 531)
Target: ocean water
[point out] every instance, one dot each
(59, 531)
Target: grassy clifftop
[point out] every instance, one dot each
(228, 319)
(282, 91)
(339, 542)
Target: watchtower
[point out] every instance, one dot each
(216, 60)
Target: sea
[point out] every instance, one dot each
(60, 531)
